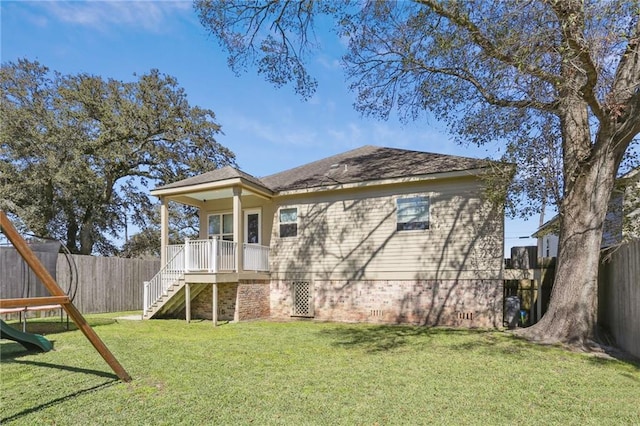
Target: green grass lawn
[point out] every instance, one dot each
(303, 372)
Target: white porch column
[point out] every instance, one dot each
(238, 230)
(164, 230)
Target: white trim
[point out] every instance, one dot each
(208, 186)
(289, 223)
(403, 198)
(247, 212)
(219, 213)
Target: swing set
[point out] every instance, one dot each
(57, 296)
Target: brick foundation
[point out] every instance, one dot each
(252, 298)
(456, 303)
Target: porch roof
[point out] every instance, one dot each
(217, 175)
(215, 184)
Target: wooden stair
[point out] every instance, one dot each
(173, 301)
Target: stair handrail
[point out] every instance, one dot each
(157, 286)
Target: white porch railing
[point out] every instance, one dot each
(256, 257)
(170, 273)
(172, 250)
(209, 256)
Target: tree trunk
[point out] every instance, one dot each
(86, 233)
(572, 315)
(72, 232)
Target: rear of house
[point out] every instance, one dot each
(371, 235)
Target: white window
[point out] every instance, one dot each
(288, 219)
(252, 226)
(221, 226)
(412, 213)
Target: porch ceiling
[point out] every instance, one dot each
(212, 194)
(197, 198)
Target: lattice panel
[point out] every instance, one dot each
(302, 299)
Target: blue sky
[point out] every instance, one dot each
(269, 129)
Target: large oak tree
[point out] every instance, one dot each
(535, 75)
(77, 151)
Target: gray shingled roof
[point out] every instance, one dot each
(368, 163)
(224, 173)
(358, 165)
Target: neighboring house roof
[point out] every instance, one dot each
(631, 174)
(552, 225)
(217, 175)
(549, 227)
(364, 164)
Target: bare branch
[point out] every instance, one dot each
(571, 16)
(485, 43)
(489, 97)
(627, 78)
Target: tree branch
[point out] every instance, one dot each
(489, 97)
(485, 43)
(626, 83)
(571, 17)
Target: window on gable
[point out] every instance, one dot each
(289, 222)
(412, 213)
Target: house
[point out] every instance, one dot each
(621, 223)
(370, 235)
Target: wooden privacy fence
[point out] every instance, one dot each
(619, 297)
(108, 284)
(105, 284)
(16, 279)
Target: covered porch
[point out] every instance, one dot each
(235, 212)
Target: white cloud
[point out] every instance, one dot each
(351, 135)
(103, 15)
(278, 134)
(328, 62)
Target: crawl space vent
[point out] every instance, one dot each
(302, 299)
(465, 315)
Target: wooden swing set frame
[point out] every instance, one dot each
(58, 296)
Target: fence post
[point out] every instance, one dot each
(146, 298)
(187, 256)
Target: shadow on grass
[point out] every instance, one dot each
(376, 339)
(598, 353)
(11, 350)
(389, 337)
(615, 355)
(504, 343)
(11, 353)
(45, 326)
(59, 400)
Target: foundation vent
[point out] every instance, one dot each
(465, 315)
(302, 292)
(375, 312)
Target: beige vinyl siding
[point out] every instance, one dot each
(352, 235)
